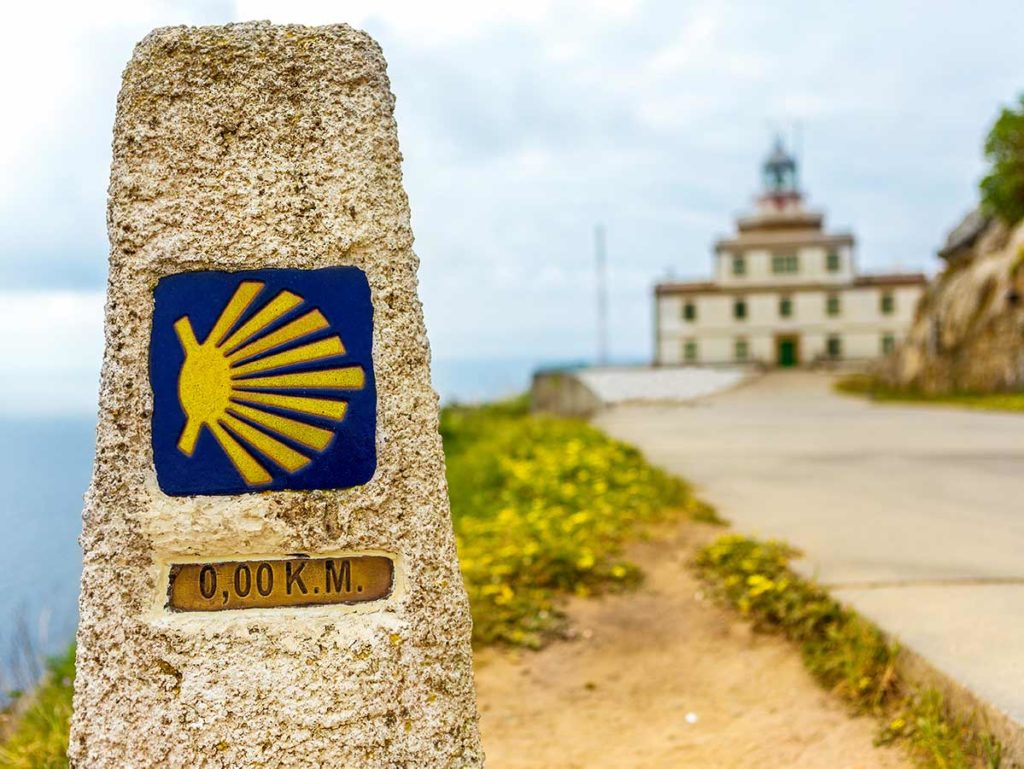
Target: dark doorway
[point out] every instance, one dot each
(787, 351)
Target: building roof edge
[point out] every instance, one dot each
(862, 281)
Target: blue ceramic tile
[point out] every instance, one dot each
(263, 380)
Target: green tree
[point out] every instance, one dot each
(1002, 191)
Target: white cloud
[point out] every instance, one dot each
(61, 68)
(416, 23)
(525, 123)
(51, 360)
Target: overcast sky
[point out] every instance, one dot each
(522, 125)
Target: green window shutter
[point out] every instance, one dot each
(741, 349)
(834, 346)
(832, 305)
(785, 264)
(888, 303)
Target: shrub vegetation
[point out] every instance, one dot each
(40, 739)
(845, 652)
(864, 384)
(1002, 191)
(542, 507)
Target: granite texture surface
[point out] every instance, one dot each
(237, 147)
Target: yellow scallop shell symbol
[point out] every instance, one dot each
(228, 381)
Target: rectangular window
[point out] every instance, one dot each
(786, 307)
(888, 343)
(690, 311)
(832, 263)
(739, 309)
(832, 305)
(690, 351)
(741, 349)
(785, 264)
(739, 265)
(888, 303)
(834, 347)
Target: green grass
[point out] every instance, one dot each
(843, 651)
(40, 737)
(862, 384)
(542, 507)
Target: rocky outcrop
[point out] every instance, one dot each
(968, 334)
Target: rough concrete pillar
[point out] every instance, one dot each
(270, 574)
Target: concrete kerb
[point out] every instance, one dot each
(962, 703)
(572, 392)
(564, 394)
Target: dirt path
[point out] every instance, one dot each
(622, 694)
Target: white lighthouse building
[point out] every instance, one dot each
(785, 292)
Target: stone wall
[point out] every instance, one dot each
(968, 333)
(562, 393)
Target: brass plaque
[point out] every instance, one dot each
(263, 584)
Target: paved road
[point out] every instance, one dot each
(914, 515)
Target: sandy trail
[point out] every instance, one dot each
(619, 694)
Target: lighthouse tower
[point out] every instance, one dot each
(785, 291)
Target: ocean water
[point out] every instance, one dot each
(478, 380)
(45, 464)
(44, 471)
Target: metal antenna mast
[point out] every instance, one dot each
(798, 147)
(601, 265)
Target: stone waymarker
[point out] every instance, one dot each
(270, 574)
